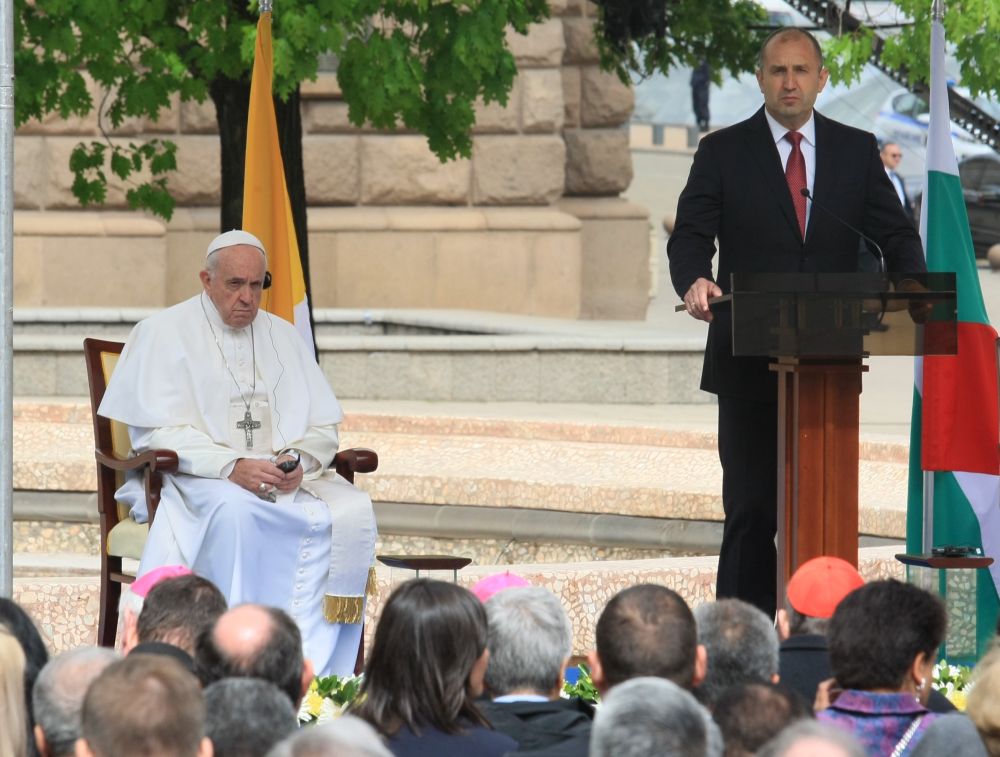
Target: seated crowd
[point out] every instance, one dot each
(846, 673)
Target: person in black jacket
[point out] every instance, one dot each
(745, 190)
(530, 641)
(812, 595)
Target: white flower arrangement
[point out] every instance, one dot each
(327, 698)
(954, 681)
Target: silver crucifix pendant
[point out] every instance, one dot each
(248, 425)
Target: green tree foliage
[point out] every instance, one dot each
(420, 64)
(645, 36)
(972, 29)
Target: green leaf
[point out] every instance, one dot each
(121, 165)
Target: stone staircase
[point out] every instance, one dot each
(585, 499)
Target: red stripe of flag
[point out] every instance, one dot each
(961, 417)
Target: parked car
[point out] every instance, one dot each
(903, 119)
(980, 177)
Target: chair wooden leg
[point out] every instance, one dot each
(111, 591)
(359, 663)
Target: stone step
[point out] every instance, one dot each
(435, 458)
(417, 355)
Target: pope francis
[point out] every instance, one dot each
(254, 506)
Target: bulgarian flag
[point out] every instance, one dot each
(267, 211)
(955, 432)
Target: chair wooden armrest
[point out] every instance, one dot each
(152, 463)
(347, 462)
(159, 460)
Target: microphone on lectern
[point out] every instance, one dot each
(877, 250)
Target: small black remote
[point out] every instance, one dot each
(287, 466)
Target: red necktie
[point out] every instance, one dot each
(795, 175)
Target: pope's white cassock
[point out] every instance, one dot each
(186, 381)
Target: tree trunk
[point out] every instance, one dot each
(232, 100)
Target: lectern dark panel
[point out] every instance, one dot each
(838, 315)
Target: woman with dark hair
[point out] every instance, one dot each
(22, 627)
(426, 669)
(884, 639)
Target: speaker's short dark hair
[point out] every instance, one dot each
(789, 31)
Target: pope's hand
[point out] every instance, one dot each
(250, 474)
(696, 298)
(290, 481)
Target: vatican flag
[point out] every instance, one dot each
(267, 211)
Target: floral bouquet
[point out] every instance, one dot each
(954, 681)
(583, 688)
(328, 697)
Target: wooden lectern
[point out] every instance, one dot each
(818, 328)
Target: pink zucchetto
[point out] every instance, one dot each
(141, 586)
(487, 587)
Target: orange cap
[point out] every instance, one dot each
(817, 587)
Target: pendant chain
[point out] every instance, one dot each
(253, 353)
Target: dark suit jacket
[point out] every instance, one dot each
(737, 192)
(907, 202)
(560, 728)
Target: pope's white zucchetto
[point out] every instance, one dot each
(234, 237)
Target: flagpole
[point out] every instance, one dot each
(937, 15)
(6, 297)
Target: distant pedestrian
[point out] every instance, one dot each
(891, 154)
(701, 78)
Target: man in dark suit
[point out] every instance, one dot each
(891, 155)
(745, 189)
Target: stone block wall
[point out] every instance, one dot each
(561, 135)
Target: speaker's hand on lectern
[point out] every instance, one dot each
(920, 310)
(696, 298)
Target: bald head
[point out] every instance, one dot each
(243, 631)
(253, 641)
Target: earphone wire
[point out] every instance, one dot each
(274, 389)
(253, 353)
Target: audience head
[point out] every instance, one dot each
(23, 629)
(647, 630)
(427, 660)
(530, 640)
(347, 736)
(253, 641)
(885, 635)
(808, 738)
(178, 610)
(647, 716)
(133, 597)
(245, 717)
(144, 705)
(751, 714)
(13, 707)
(741, 644)
(58, 697)
(983, 704)
(813, 593)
